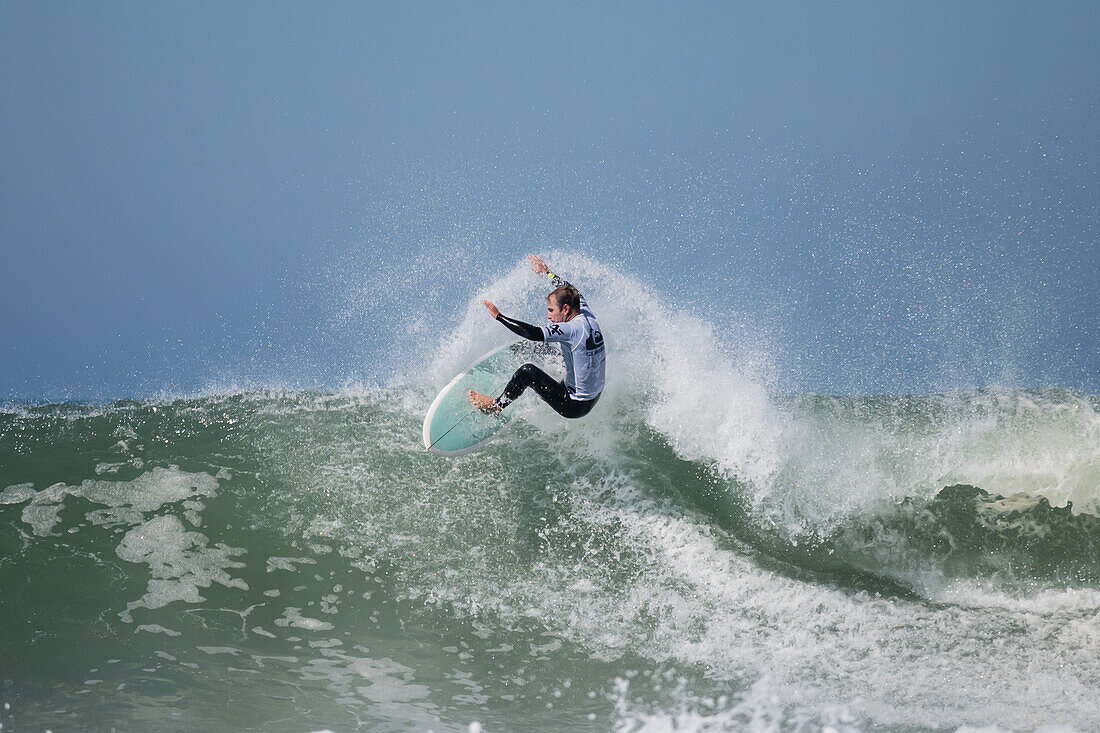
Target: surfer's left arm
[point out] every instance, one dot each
(526, 330)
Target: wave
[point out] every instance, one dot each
(806, 545)
(996, 485)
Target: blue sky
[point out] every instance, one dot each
(904, 193)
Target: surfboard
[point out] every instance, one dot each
(452, 426)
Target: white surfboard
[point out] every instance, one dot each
(452, 425)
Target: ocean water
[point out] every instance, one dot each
(702, 552)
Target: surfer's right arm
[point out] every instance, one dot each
(526, 330)
(540, 268)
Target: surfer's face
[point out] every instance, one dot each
(556, 313)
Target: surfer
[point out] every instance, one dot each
(573, 325)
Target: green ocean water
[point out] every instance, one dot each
(268, 560)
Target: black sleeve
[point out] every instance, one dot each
(526, 330)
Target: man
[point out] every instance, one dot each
(573, 325)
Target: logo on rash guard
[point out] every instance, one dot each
(594, 341)
(555, 329)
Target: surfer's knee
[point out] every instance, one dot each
(524, 377)
(527, 371)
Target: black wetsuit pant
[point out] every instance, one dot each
(553, 392)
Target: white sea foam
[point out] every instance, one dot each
(759, 710)
(125, 502)
(832, 657)
(17, 494)
(287, 563)
(156, 629)
(293, 618)
(389, 686)
(179, 561)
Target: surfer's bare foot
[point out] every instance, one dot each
(485, 403)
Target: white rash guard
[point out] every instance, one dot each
(583, 349)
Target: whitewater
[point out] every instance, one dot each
(703, 552)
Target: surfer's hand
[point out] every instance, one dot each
(491, 308)
(538, 265)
